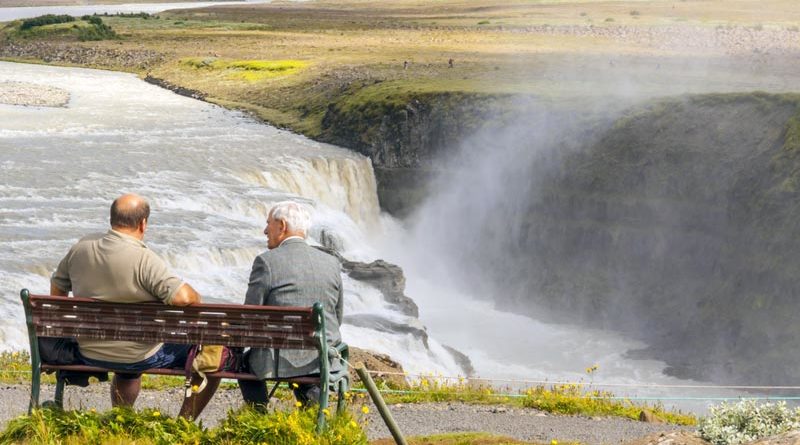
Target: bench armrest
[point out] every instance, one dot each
(343, 350)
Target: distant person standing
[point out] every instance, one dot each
(292, 273)
(117, 266)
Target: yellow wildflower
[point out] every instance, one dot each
(353, 424)
(365, 409)
(553, 442)
(156, 413)
(326, 412)
(298, 404)
(195, 388)
(295, 385)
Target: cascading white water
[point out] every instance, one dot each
(210, 175)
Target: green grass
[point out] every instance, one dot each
(150, 426)
(570, 399)
(247, 70)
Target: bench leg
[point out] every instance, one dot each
(36, 379)
(343, 387)
(323, 404)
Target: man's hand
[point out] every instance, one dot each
(56, 291)
(185, 296)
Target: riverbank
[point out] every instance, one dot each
(413, 419)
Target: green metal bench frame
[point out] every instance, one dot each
(275, 327)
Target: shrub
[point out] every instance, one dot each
(746, 421)
(96, 32)
(49, 19)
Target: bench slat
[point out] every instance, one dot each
(229, 325)
(181, 373)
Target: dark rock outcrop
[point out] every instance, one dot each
(386, 277)
(177, 89)
(406, 137)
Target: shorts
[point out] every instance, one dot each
(169, 356)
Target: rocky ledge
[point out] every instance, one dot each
(31, 94)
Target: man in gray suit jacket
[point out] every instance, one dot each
(292, 273)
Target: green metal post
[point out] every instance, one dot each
(344, 383)
(324, 365)
(381, 405)
(36, 363)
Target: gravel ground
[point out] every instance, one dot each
(413, 419)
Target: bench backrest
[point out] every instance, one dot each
(208, 324)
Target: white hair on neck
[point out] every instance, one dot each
(296, 216)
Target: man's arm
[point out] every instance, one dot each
(57, 291)
(259, 285)
(184, 296)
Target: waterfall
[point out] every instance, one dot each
(211, 176)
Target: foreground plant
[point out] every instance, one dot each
(124, 426)
(746, 421)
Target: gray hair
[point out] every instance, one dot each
(296, 216)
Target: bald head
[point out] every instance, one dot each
(129, 211)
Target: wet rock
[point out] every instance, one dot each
(382, 324)
(463, 361)
(386, 277)
(177, 89)
(331, 240)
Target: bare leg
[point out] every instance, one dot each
(124, 391)
(194, 405)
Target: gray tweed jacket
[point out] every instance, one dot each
(296, 274)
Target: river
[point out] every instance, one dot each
(211, 175)
(16, 13)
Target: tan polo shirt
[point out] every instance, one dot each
(120, 268)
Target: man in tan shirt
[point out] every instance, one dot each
(117, 266)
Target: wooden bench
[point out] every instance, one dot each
(206, 324)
